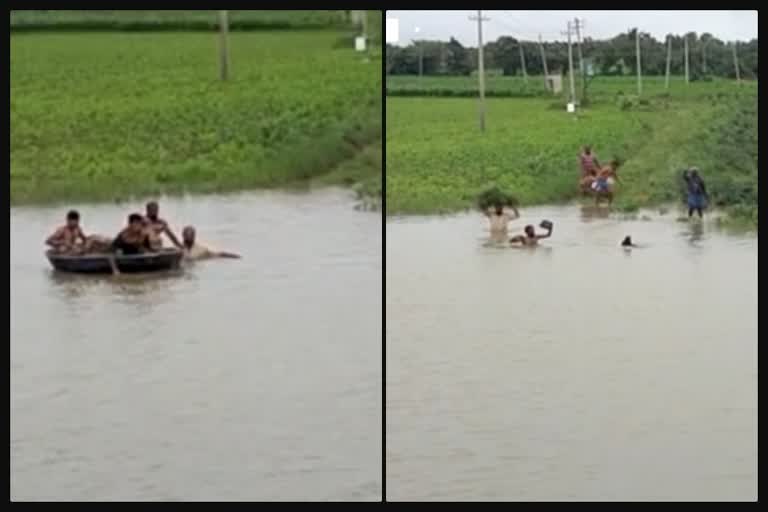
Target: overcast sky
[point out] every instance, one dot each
(725, 25)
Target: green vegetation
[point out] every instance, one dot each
(603, 88)
(438, 161)
(152, 20)
(464, 86)
(106, 115)
(494, 197)
(362, 172)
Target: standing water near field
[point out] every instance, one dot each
(578, 370)
(243, 379)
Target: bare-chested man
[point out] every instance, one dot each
(530, 238)
(499, 221)
(157, 227)
(589, 168)
(134, 238)
(195, 251)
(65, 239)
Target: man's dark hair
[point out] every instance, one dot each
(152, 204)
(73, 215)
(627, 241)
(135, 217)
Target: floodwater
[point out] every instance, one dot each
(574, 371)
(252, 379)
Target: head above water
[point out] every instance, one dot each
(627, 242)
(73, 218)
(153, 209)
(188, 236)
(529, 231)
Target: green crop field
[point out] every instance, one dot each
(104, 115)
(171, 19)
(600, 87)
(438, 161)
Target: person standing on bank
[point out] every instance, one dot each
(697, 192)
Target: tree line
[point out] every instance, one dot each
(707, 56)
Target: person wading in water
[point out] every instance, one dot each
(499, 221)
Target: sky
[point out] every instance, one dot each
(725, 25)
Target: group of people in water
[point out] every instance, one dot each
(142, 234)
(499, 220)
(600, 181)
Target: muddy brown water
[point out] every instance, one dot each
(256, 379)
(576, 371)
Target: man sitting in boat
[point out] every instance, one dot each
(158, 227)
(65, 239)
(134, 238)
(530, 238)
(195, 251)
(70, 239)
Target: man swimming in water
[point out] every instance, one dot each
(499, 220)
(530, 238)
(195, 251)
(158, 227)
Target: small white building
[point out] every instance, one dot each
(555, 83)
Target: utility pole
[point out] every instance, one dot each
(480, 66)
(637, 53)
(736, 62)
(421, 53)
(364, 21)
(421, 59)
(223, 45)
(669, 58)
(570, 64)
(687, 79)
(578, 24)
(544, 62)
(522, 60)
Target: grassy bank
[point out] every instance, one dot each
(437, 161)
(362, 172)
(105, 115)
